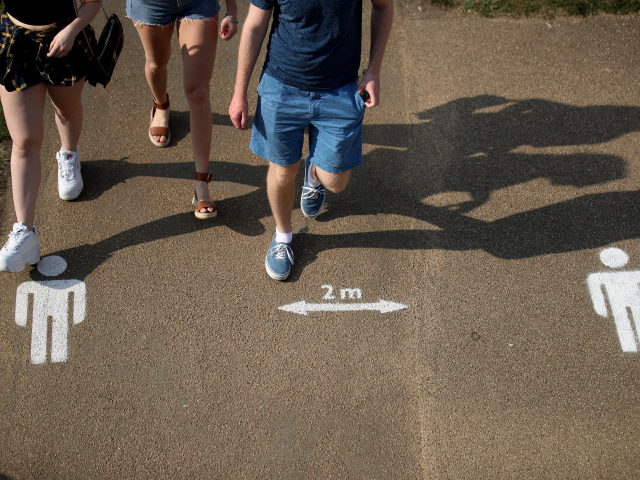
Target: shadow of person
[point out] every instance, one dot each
(180, 126)
(467, 149)
(590, 221)
(450, 163)
(241, 214)
(102, 175)
(470, 146)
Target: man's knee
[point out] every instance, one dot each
(282, 175)
(334, 182)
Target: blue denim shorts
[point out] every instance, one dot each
(333, 117)
(165, 12)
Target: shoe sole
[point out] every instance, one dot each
(203, 215)
(71, 195)
(32, 258)
(275, 275)
(160, 144)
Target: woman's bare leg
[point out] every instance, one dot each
(67, 102)
(198, 40)
(23, 111)
(156, 42)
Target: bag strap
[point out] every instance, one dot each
(75, 7)
(93, 55)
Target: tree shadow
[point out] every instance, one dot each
(469, 146)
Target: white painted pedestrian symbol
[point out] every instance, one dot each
(618, 292)
(50, 300)
(303, 308)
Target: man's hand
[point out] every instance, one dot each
(381, 20)
(239, 112)
(228, 27)
(371, 84)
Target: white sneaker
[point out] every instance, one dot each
(69, 178)
(21, 248)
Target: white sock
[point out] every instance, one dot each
(283, 237)
(310, 180)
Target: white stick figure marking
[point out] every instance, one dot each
(621, 290)
(50, 300)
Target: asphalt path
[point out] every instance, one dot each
(500, 165)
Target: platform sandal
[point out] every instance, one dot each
(199, 205)
(159, 131)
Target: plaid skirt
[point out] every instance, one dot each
(24, 61)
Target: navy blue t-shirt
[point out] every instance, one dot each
(314, 44)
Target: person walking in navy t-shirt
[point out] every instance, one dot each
(309, 81)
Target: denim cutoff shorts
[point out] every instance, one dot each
(165, 12)
(333, 117)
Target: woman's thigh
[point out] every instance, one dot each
(198, 40)
(66, 100)
(23, 111)
(156, 42)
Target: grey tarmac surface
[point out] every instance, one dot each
(500, 164)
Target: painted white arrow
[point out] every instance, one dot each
(303, 308)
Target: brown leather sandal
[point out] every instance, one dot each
(199, 205)
(159, 131)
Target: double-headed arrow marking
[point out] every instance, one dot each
(303, 308)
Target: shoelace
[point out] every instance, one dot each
(15, 240)
(311, 193)
(279, 251)
(67, 168)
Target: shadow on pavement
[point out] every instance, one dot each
(586, 222)
(179, 121)
(462, 147)
(180, 128)
(103, 175)
(459, 154)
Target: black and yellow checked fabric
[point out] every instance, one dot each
(24, 61)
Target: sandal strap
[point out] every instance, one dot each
(161, 106)
(205, 204)
(203, 177)
(159, 131)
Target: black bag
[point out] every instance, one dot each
(107, 52)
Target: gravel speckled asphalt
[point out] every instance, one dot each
(502, 161)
